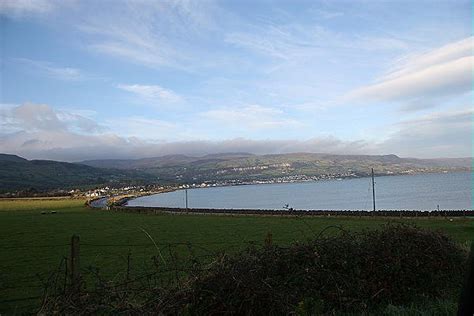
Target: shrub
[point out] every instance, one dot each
(351, 271)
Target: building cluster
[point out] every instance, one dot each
(109, 191)
(253, 168)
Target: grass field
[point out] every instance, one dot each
(32, 244)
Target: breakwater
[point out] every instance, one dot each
(261, 212)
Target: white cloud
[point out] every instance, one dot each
(254, 117)
(30, 117)
(152, 93)
(447, 53)
(445, 71)
(445, 79)
(40, 131)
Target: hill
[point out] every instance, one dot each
(248, 167)
(20, 174)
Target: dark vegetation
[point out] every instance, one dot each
(35, 176)
(348, 272)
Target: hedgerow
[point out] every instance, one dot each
(350, 272)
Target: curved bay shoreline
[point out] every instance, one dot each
(417, 192)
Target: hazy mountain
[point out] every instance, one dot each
(241, 166)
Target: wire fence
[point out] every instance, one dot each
(168, 262)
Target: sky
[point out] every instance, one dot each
(131, 79)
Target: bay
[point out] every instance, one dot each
(406, 192)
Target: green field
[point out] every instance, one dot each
(32, 244)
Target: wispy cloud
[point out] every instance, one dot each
(296, 40)
(24, 7)
(151, 33)
(327, 14)
(153, 93)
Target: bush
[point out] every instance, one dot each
(348, 272)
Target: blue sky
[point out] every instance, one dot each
(128, 79)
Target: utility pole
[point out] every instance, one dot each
(186, 197)
(373, 188)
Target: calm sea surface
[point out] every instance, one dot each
(416, 192)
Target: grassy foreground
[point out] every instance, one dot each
(32, 244)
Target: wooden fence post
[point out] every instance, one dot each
(269, 239)
(74, 263)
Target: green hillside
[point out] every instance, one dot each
(17, 173)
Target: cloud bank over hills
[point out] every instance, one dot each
(39, 131)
